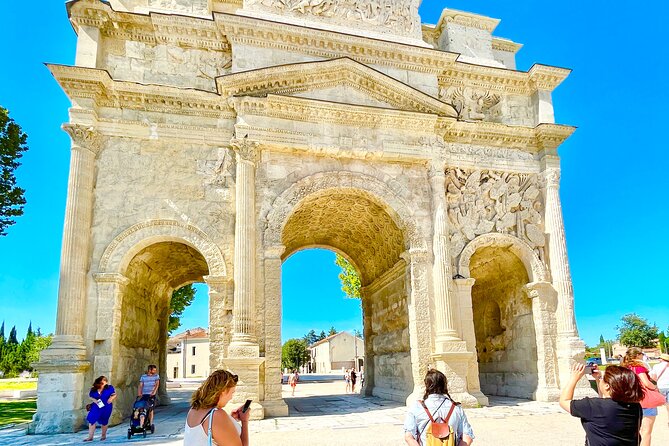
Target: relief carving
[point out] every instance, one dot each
(470, 103)
(482, 201)
(398, 15)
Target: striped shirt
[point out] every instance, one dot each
(149, 383)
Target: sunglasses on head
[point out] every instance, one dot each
(235, 378)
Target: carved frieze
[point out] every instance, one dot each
(84, 136)
(394, 16)
(483, 201)
(470, 103)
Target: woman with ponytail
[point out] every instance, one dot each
(438, 402)
(207, 423)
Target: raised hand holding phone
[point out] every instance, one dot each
(246, 406)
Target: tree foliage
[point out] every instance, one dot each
(349, 278)
(294, 353)
(15, 356)
(333, 331)
(635, 331)
(180, 300)
(12, 145)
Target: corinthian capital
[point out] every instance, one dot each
(246, 150)
(552, 178)
(85, 137)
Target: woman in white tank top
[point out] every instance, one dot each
(206, 422)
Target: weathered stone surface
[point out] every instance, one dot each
(210, 143)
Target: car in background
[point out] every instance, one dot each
(596, 361)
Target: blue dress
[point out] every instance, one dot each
(101, 414)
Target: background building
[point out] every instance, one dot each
(188, 352)
(336, 352)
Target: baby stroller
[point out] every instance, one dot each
(140, 422)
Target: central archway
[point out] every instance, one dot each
(368, 223)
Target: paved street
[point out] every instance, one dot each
(321, 416)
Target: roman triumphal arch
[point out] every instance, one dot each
(212, 139)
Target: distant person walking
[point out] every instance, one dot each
(148, 388)
(437, 404)
(347, 378)
(633, 360)
(661, 375)
(102, 395)
(614, 418)
(292, 380)
(207, 423)
(354, 378)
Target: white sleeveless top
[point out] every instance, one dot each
(196, 436)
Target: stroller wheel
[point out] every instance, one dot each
(153, 428)
(129, 434)
(144, 434)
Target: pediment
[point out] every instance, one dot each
(341, 80)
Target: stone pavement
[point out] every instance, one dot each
(322, 417)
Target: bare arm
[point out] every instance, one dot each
(410, 440)
(646, 381)
(155, 388)
(577, 372)
(111, 398)
(140, 387)
(225, 432)
(466, 440)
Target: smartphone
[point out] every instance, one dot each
(590, 368)
(247, 404)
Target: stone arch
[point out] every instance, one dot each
(137, 237)
(536, 269)
(394, 204)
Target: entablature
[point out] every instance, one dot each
(153, 28)
(332, 45)
(97, 85)
(544, 137)
(539, 77)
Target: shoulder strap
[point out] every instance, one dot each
(422, 403)
(207, 414)
(666, 366)
(450, 412)
(211, 419)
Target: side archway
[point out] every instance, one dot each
(128, 243)
(536, 269)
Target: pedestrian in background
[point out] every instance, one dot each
(347, 378)
(633, 360)
(102, 395)
(661, 375)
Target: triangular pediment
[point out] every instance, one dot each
(341, 80)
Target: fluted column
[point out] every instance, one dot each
(244, 342)
(557, 254)
(74, 265)
(444, 302)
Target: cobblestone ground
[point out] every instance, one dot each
(321, 417)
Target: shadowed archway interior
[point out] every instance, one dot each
(357, 225)
(153, 274)
(503, 323)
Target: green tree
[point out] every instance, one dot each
(2, 339)
(311, 337)
(635, 331)
(601, 340)
(12, 337)
(12, 145)
(333, 331)
(663, 341)
(349, 278)
(322, 335)
(180, 300)
(294, 354)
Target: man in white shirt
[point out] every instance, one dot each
(148, 387)
(660, 373)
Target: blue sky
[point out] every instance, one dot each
(613, 182)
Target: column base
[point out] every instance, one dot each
(60, 395)
(243, 349)
(454, 361)
(249, 385)
(275, 408)
(548, 394)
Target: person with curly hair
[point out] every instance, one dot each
(614, 418)
(207, 423)
(102, 395)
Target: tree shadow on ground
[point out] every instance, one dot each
(310, 406)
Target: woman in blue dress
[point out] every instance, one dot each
(103, 395)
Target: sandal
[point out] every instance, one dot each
(88, 439)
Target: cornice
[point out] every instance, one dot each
(509, 46)
(542, 137)
(332, 45)
(97, 85)
(310, 110)
(309, 76)
(467, 19)
(153, 28)
(540, 77)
